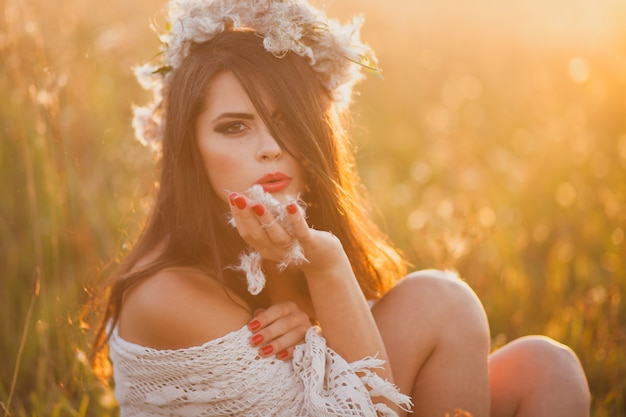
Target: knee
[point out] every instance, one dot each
(449, 303)
(548, 354)
(555, 365)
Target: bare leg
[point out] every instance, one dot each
(437, 338)
(534, 376)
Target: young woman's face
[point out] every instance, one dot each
(237, 148)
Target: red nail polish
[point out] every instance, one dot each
(254, 325)
(292, 208)
(257, 339)
(282, 354)
(267, 350)
(258, 209)
(240, 202)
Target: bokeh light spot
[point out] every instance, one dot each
(565, 194)
(578, 70)
(417, 219)
(445, 209)
(421, 172)
(487, 217)
(597, 295)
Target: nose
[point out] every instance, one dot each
(269, 149)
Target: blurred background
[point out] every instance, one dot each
(494, 145)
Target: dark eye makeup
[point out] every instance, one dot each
(230, 128)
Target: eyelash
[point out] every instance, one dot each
(228, 127)
(231, 128)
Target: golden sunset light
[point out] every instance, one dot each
(493, 144)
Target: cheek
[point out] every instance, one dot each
(223, 170)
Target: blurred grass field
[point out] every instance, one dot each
(495, 144)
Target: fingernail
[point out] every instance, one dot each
(282, 354)
(258, 209)
(257, 339)
(240, 202)
(292, 208)
(267, 350)
(231, 198)
(254, 325)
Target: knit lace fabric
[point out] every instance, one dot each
(227, 377)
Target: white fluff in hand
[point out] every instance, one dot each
(251, 262)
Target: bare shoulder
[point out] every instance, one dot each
(178, 308)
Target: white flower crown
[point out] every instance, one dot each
(334, 51)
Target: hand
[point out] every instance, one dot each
(259, 228)
(278, 329)
(323, 250)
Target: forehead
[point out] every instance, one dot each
(225, 93)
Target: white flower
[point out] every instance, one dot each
(334, 51)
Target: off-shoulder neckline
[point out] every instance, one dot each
(243, 332)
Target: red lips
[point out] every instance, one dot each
(274, 182)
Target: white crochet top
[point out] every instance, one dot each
(227, 377)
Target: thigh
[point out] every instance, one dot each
(437, 339)
(407, 320)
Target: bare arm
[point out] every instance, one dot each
(340, 306)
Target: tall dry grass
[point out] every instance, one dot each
(496, 144)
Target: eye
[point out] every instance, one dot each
(231, 128)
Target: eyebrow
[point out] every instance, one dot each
(245, 116)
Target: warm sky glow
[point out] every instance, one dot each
(495, 144)
(541, 21)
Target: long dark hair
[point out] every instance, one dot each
(188, 217)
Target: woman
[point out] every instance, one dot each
(254, 93)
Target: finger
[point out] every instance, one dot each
(257, 225)
(300, 227)
(241, 216)
(285, 354)
(288, 329)
(283, 345)
(275, 231)
(248, 225)
(283, 327)
(274, 312)
(286, 344)
(272, 339)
